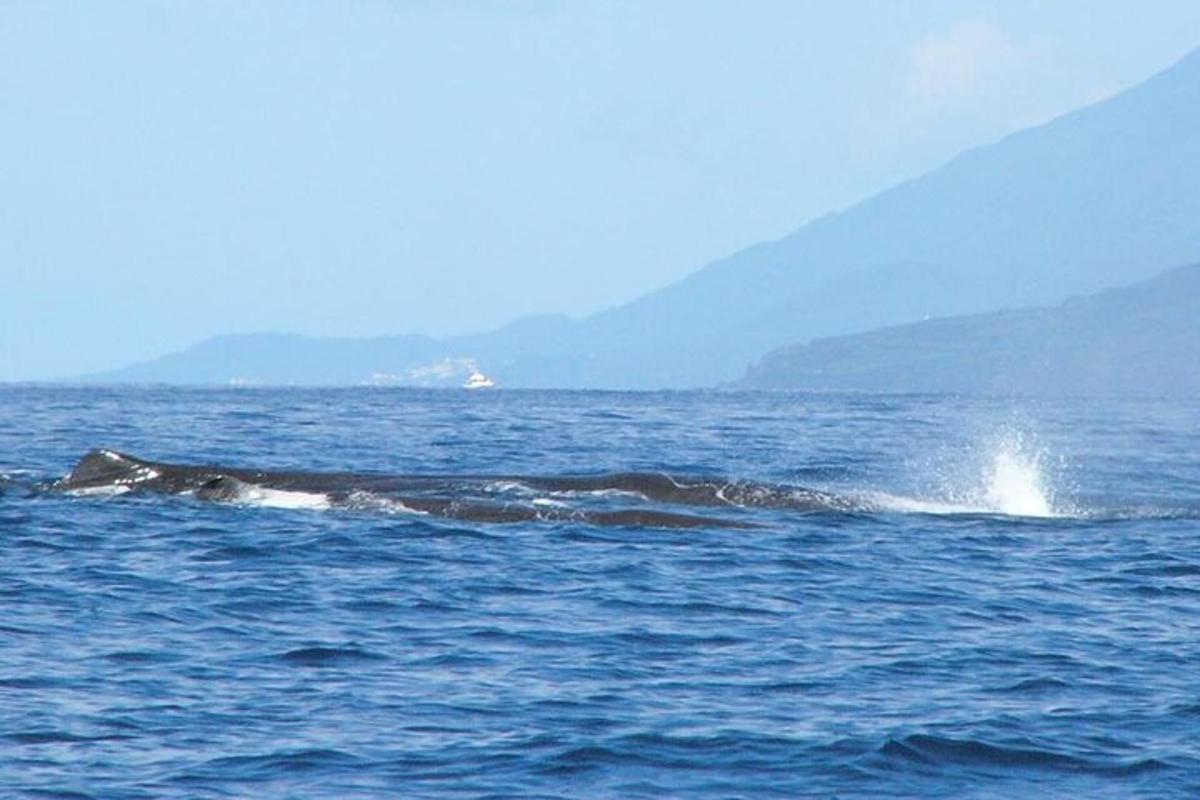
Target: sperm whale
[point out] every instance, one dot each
(467, 497)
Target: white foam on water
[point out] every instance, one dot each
(507, 487)
(601, 493)
(279, 498)
(369, 501)
(110, 490)
(524, 490)
(16, 474)
(547, 502)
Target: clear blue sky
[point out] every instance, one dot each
(175, 170)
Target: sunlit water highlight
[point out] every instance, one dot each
(1008, 609)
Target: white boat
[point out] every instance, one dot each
(478, 380)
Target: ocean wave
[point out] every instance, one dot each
(269, 766)
(331, 657)
(945, 751)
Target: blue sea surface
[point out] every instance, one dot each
(1010, 608)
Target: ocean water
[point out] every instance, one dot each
(1004, 601)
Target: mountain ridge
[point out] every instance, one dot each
(1134, 341)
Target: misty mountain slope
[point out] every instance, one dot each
(1098, 198)
(1141, 340)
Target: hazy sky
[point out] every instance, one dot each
(173, 170)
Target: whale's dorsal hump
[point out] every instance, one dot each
(101, 468)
